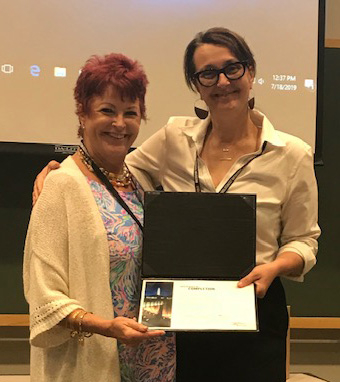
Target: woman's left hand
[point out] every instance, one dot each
(287, 263)
(262, 275)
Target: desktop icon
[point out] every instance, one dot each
(35, 70)
(309, 84)
(59, 72)
(7, 68)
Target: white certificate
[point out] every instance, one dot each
(199, 305)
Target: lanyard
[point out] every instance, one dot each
(115, 194)
(112, 190)
(231, 180)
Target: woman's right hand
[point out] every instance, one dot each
(126, 330)
(39, 180)
(130, 332)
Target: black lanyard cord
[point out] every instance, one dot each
(115, 194)
(232, 179)
(110, 188)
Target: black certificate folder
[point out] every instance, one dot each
(196, 247)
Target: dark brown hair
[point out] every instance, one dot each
(221, 37)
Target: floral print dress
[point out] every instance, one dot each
(153, 360)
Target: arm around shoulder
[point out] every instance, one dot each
(145, 162)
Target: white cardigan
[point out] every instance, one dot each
(66, 266)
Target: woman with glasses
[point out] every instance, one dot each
(236, 149)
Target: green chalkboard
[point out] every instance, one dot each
(319, 295)
(20, 162)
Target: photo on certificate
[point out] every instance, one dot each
(198, 305)
(156, 306)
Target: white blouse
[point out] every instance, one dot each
(282, 178)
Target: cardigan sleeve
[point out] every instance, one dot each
(46, 278)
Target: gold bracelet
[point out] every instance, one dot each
(71, 320)
(79, 331)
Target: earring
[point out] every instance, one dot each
(251, 100)
(201, 109)
(82, 125)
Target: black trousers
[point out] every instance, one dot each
(239, 357)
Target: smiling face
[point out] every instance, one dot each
(226, 95)
(110, 127)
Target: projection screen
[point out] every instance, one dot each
(44, 44)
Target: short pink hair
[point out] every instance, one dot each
(100, 72)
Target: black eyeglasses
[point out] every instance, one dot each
(232, 71)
